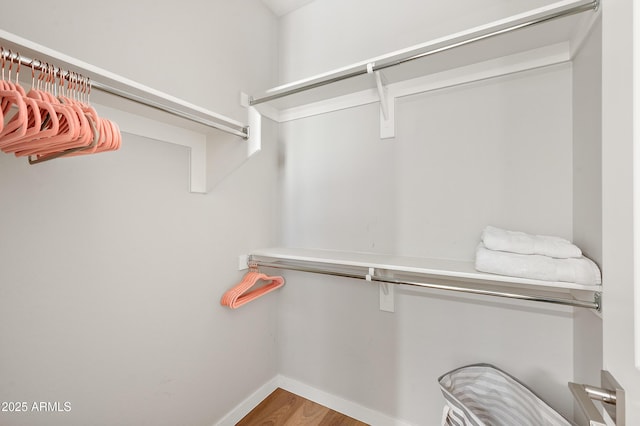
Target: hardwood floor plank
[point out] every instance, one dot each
(275, 410)
(283, 408)
(333, 418)
(309, 414)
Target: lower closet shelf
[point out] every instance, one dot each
(431, 273)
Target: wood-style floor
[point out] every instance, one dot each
(285, 408)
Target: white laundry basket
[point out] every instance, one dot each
(483, 395)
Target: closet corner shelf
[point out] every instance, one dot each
(432, 273)
(541, 37)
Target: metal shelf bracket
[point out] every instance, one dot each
(610, 395)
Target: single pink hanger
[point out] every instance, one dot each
(17, 124)
(239, 294)
(32, 128)
(6, 83)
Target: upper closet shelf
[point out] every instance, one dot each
(149, 112)
(533, 39)
(439, 274)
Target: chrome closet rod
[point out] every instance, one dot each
(449, 287)
(36, 64)
(508, 295)
(560, 14)
(578, 9)
(240, 131)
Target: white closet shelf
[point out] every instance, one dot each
(417, 271)
(120, 86)
(548, 35)
(146, 111)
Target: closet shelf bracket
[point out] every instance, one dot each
(611, 396)
(387, 297)
(386, 291)
(387, 104)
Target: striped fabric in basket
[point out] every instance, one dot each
(483, 395)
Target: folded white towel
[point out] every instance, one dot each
(519, 242)
(572, 270)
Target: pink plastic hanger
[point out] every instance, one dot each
(110, 137)
(98, 133)
(83, 141)
(48, 118)
(239, 295)
(15, 125)
(34, 118)
(69, 122)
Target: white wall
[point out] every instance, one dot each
(329, 34)
(427, 193)
(496, 152)
(587, 196)
(619, 217)
(111, 272)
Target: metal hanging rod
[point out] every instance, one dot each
(509, 295)
(596, 304)
(451, 44)
(221, 123)
(238, 130)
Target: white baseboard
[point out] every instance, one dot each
(242, 409)
(342, 405)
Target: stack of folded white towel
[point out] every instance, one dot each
(538, 257)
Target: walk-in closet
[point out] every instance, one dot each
(204, 202)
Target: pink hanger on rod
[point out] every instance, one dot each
(238, 295)
(51, 120)
(49, 123)
(12, 99)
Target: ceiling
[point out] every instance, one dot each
(282, 7)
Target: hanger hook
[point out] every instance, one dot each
(33, 74)
(4, 61)
(61, 82)
(44, 70)
(83, 88)
(40, 75)
(18, 60)
(80, 87)
(45, 77)
(52, 79)
(49, 78)
(10, 64)
(70, 84)
(88, 89)
(76, 85)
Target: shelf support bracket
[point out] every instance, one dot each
(387, 297)
(612, 398)
(387, 105)
(387, 292)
